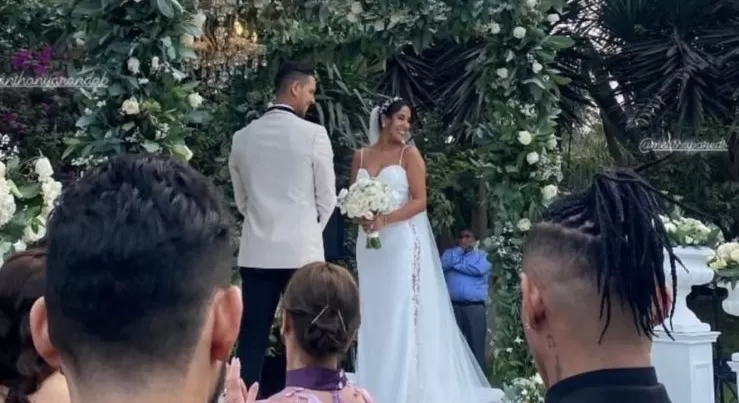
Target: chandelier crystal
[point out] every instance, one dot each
(227, 47)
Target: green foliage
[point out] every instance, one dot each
(520, 154)
(148, 104)
(27, 194)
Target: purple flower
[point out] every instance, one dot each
(9, 117)
(20, 59)
(45, 55)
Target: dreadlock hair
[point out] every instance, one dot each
(619, 234)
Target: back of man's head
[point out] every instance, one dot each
(296, 85)
(139, 253)
(292, 71)
(593, 283)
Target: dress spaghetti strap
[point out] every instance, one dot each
(400, 161)
(361, 158)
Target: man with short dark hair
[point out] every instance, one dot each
(467, 272)
(284, 184)
(139, 305)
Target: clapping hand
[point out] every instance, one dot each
(236, 390)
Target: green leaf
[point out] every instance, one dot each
(189, 87)
(559, 42)
(198, 117)
(115, 90)
(168, 48)
(165, 8)
(87, 7)
(191, 29)
(535, 81)
(151, 146)
(69, 150)
(182, 152)
(84, 121)
(560, 80)
(187, 53)
(29, 191)
(132, 81)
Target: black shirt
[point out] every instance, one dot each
(632, 385)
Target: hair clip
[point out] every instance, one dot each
(315, 319)
(341, 319)
(338, 313)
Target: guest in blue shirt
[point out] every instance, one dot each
(467, 272)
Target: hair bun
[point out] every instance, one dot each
(326, 334)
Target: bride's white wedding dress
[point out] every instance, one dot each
(410, 349)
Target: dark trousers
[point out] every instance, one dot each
(472, 321)
(261, 291)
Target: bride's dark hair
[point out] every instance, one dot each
(391, 107)
(322, 300)
(22, 370)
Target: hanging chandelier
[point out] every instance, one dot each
(227, 47)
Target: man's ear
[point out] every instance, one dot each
(295, 87)
(227, 310)
(39, 323)
(532, 303)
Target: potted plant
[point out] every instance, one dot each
(692, 242)
(273, 370)
(725, 263)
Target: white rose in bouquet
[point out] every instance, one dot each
(366, 199)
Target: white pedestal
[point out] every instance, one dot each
(693, 271)
(731, 303)
(734, 365)
(685, 365)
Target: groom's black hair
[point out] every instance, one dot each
(291, 71)
(612, 232)
(136, 248)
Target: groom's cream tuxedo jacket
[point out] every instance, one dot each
(285, 187)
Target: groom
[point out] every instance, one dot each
(284, 185)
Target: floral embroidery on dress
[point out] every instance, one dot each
(416, 284)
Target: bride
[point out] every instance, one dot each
(410, 349)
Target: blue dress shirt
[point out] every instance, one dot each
(467, 274)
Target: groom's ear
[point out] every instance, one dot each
(295, 87)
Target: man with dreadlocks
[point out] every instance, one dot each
(593, 289)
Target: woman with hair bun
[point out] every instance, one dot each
(320, 320)
(24, 376)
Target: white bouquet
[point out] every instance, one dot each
(366, 198)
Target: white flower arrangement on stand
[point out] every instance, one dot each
(725, 262)
(25, 205)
